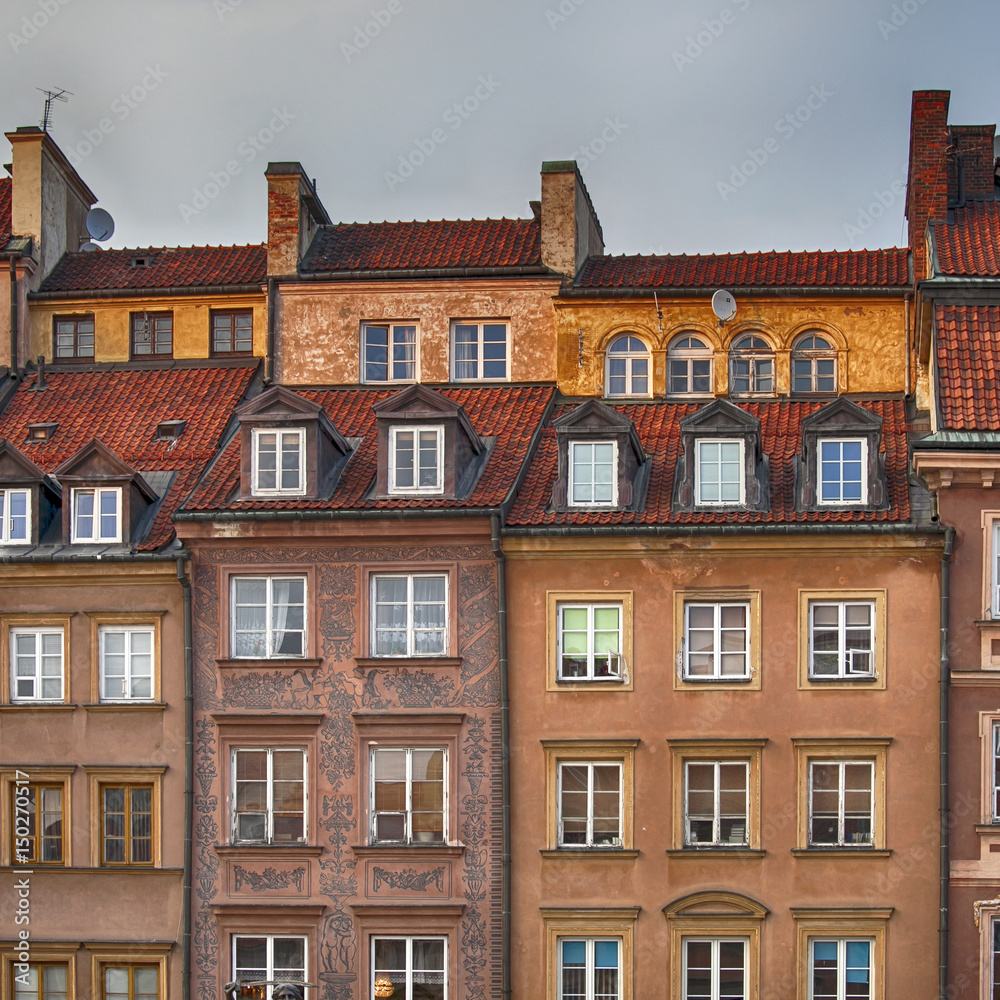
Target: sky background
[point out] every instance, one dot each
(705, 126)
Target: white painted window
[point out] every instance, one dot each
(415, 968)
(479, 351)
(841, 803)
(841, 639)
(408, 795)
(751, 367)
(716, 640)
(409, 614)
(689, 366)
(126, 663)
(593, 473)
(715, 969)
(716, 803)
(590, 968)
(36, 664)
(719, 473)
(590, 642)
(268, 958)
(814, 365)
(278, 462)
(269, 796)
(416, 459)
(590, 804)
(842, 471)
(15, 517)
(627, 364)
(97, 515)
(388, 352)
(268, 616)
(840, 969)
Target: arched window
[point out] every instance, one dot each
(814, 365)
(627, 367)
(689, 365)
(751, 367)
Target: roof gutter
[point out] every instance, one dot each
(75, 557)
(364, 514)
(780, 291)
(147, 293)
(427, 272)
(682, 530)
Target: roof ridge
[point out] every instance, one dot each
(426, 222)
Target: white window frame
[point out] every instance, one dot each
(845, 657)
(715, 971)
(480, 344)
(38, 657)
(411, 629)
(752, 355)
(416, 430)
(268, 810)
(280, 435)
(409, 336)
(717, 651)
(271, 938)
(98, 492)
(821, 463)
(131, 676)
(410, 836)
(813, 355)
(701, 465)
(841, 840)
(589, 966)
(7, 518)
(994, 564)
(717, 814)
(617, 669)
(994, 777)
(589, 841)
(629, 356)
(842, 943)
(270, 628)
(687, 356)
(571, 468)
(407, 990)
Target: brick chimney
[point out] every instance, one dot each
(571, 231)
(927, 180)
(294, 213)
(971, 147)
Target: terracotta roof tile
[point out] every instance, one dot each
(967, 342)
(658, 426)
(122, 409)
(386, 246)
(835, 268)
(509, 413)
(167, 267)
(6, 185)
(970, 243)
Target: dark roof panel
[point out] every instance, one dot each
(969, 244)
(967, 342)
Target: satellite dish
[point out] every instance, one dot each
(100, 225)
(89, 245)
(723, 305)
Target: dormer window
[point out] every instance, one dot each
(170, 430)
(41, 432)
(278, 462)
(417, 459)
(843, 467)
(15, 517)
(719, 478)
(97, 515)
(593, 473)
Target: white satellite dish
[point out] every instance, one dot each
(100, 225)
(723, 305)
(88, 246)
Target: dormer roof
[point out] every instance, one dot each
(95, 462)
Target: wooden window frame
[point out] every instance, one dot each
(825, 923)
(10, 777)
(110, 777)
(579, 922)
(76, 319)
(41, 953)
(150, 319)
(213, 352)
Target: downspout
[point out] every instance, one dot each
(943, 737)
(188, 785)
(269, 350)
(13, 312)
(906, 308)
(505, 946)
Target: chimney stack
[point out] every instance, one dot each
(927, 180)
(294, 213)
(972, 148)
(571, 231)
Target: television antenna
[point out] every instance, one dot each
(50, 96)
(724, 306)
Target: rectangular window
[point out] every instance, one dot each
(719, 478)
(74, 338)
(408, 795)
(269, 795)
(15, 517)
(589, 969)
(843, 471)
(232, 332)
(590, 642)
(716, 640)
(479, 351)
(268, 617)
(410, 614)
(590, 804)
(841, 639)
(388, 352)
(715, 969)
(994, 926)
(131, 982)
(126, 824)
(97, 515)
(593, 473)
(278, 462)
(416, 460)
(841, 803)
(38, 823)
(840, 969)
(42, 982)
(716, 803)
(410, 968)
(995, 773)
(36, 658)
(152, 334)
(126, 656)
(995, 570)
(268, 958)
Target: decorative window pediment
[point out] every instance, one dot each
(29, 499)
(721, 464)
(602, 463)
(288, 447)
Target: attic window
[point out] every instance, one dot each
(41, 432)
(141, 260)
(170, 430)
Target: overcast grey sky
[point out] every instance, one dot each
(701, 126)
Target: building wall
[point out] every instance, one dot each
(653, 571)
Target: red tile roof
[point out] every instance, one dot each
(121, 409)
(167, 267)
(658, 426)
(511, 414)
(970, 244)
(968, 366)
(835, 268)
(387, 246)
(6, 184)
